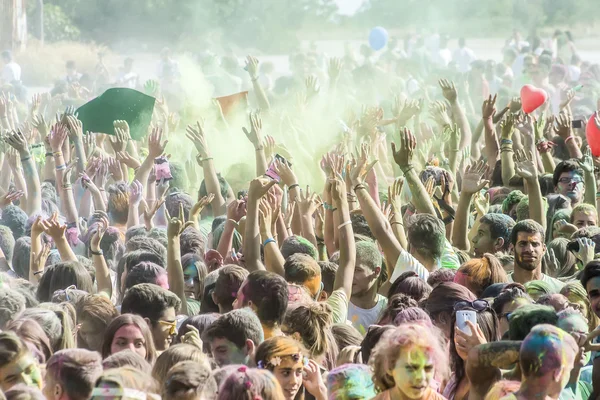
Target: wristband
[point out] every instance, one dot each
(295, 185)
(408, 168)
(96, 253)
(506, 141)
(343, 224)
(397, 223)
(67, 187)
(26, 159)
(544, 146)
(38, 272)
(61, 167)
(269, 240)
(205, 159)
(571, 137)
(360, 186)
(57, 153)
(49, 154)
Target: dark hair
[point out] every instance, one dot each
(198, 262)
(173, 201)
(374, 333)
(149, 301)
(148, 245)
(442, 298)
(300, 268)
(427, 234)
(410, 284)
(99, 311)
(23, 392)
(133, 258)
(76, 370)
(440, 275)
(269, 294)
(528, 226)
(61, 276)
(236, 326)
(192, 242)
(20, 257)
(398, 302)
(229, 281)
(509, 294)
(15, 219)
(11, 348)
(127, 358)
(524, 318)
(129, 319)
(360, 226)
(501, 226)
(187, 380)
(200, 322)
(30, 331)
(144, 272)
(591, 270)
(566, 166)
(297, 244)
(328, 272)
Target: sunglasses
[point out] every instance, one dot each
(477, 305)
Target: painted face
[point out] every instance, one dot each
(164, 329)
(129, 337)
(413, 372)
(364, 279)
(289, 376)
(593, 290)
(513, 212)
(529, 250)
(90, 335)
(483, 242)
(23, 370)
(583, 219)
(225, 352)
(192, 283)
(570, 184)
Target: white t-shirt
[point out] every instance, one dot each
(554, 283)
(11, 72)
(463, 58)
(406, 262)
(362, 319)
(443, 57)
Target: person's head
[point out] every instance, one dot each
(200, 322)
(17, 364)
(61, 276)
(297, 244)
(194, 273)
(56, 323)
(410, 284)
(266, 293)
(118, 203)
(440, 303)
(350, 381)
(578, 299)
(509, 205)
(133, 258)
(248, 384)
(6, 56)
(285, 358)
(528, 240)
(590, 280)
(94, 313)
(524, 318)
(426, 236)
(12, 303)
(367, 269)
(15, 219)
(229, 281)
(173, 355)
(346, 335)
(7, 242)
(546, 357)
(479, 273)
(189, 380)
(127, 358)
(177, 199)
(397, 302)
(233, 337)
(311, 325)
(328, 272)
(129, 332)
(510, 298)
(440, 275)
(23, 392)
(413, 315)
(146, 272)
(122, 380)
(409, 357)
(568, 180)
(192, 242)
(71, 374)
(32, 334)
(20, 258)
(493, 234)
(158, 307)
(584, 215)
(567, 261)
(304, 270)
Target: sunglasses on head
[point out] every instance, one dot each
(477, 305)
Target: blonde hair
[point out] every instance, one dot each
(277, 346)
(385, 354)
(313, 322)
(173, 355)
(501, 389)
(129, 378)
(575, 292)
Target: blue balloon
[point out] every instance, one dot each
(378, 38)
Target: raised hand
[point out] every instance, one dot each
(259, 187)
(312, 86)
(438, 111)
(39, 123)
(156, 147)
(136, 191)
(66, 181)
(252, 66)
(58, 134)
(587, 162)
(197, 135)
(507, 127)
(17, 141)
(99, 232)
(308, 202)
(515, 105)
(338, 190)
(394, 195)
(10, 196)
(482, 203)
(265, 218)
(197, 208)
(524, 165)
(488, 109)
(89, 143)
(564, 127)
(285, 173)
(149, 213)
(360, 170)
(404, 154)
(334, 68)
(177, 225)
(586, 250)
(127, 159)
(448, 90)
(75, 127)
(473, 181)
(114, 169)
(53, 228)
(120, 138)
(255, 133)
(236, 210)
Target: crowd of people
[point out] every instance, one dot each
(397, 228)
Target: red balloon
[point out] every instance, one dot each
(532, 98)
(592, 133)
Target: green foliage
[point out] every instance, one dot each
(58, 26)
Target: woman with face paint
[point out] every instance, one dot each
(287, 360)
(17, 364)
(408, 363)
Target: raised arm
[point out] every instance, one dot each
(587, 164)
(450, 93)
(235, 211)
(156, 148)
(102, 271)
(136, 192)
(34, 193)
(308, 204)
(254, 135)
(488, 110)
(76, 135)
(345, 273)
(506, 149)
(197, 135)
(527, 170)
(175, 228)
(564, 129)
(36, 267)
(274, 260)
(56, 231)
(258, 188)
(252, 68)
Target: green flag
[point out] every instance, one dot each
(130, 105)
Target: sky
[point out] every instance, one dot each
(349, 7)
